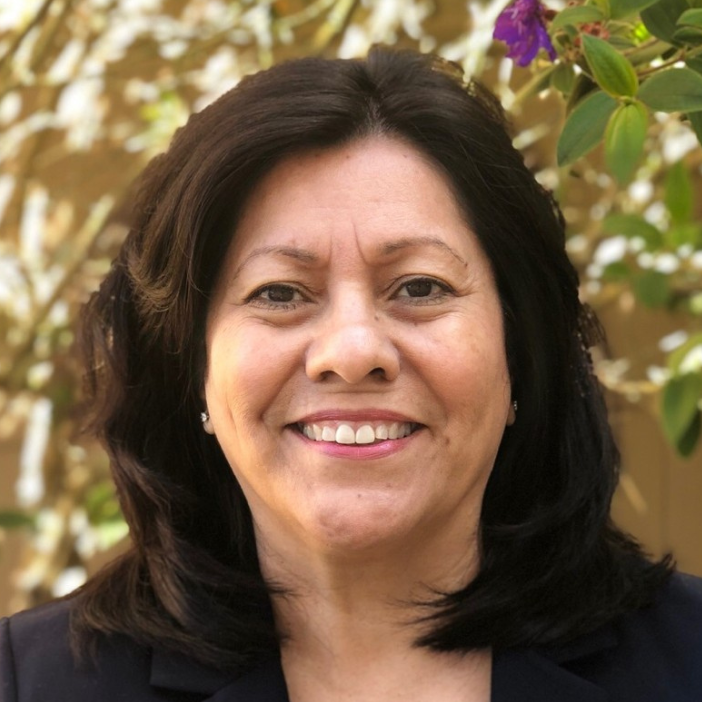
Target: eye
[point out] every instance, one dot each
(423, 288)
(277, 296)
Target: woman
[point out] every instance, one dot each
(341, 369)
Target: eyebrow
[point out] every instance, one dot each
(307, 256)
(290, 251)
(408, 242)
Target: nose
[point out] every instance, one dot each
(352, 343)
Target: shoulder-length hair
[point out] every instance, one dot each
(552, 564)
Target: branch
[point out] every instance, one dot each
(84, 241)
(311, 12)
(339, 18)
(34, 22)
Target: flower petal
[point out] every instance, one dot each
(521, 26)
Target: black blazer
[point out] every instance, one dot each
(652, 655)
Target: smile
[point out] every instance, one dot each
(356, 433)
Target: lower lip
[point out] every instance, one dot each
(358, 451)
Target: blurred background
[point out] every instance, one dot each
(91, 89)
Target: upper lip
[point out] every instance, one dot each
(371, 415)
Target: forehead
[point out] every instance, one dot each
(371, 189)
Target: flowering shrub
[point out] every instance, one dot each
(617, 65)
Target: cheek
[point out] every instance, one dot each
(247, 374)
(471, 376)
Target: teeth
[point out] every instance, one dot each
(365, 434)
(345, 435)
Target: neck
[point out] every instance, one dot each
(349, 605)
(350, 618)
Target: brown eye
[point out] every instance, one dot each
(423, 288)
(279, 293)
(276, 296)
(419, 288)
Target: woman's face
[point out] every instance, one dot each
(356, 373)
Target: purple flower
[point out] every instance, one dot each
(522, 26)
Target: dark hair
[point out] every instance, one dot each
(552, 564)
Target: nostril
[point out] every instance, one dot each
(378, 372)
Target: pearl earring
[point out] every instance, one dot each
(206, 422)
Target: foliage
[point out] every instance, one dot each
(631, 59)
(91, 89)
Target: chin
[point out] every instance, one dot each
(364, 523)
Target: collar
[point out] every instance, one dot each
(264, 683)
(542, 673)
(523, 675)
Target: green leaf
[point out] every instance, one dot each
(563, 78)
(689, 36)
(624, 8)
(632, 225)
(12, 519)
(644, 54)
(691, 18)
(673, 90)
(101, 504)
(677, 356)
(585, 127)
(624, 140)
(577, 15)
(652, 288)
(612, 71)
(696, 124)
(616, 271)
(604, 5)
(679, 235)
(681, 396)
(688, 441)
(678, 193)
(662, 18)
(695, 63)
(583, 88)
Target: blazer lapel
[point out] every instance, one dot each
(528, 676)
(538, 674)
(264, 683)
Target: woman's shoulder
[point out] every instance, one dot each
(647, 655)
(37, 661)
(38, 664)
(655, 653)
(674, 619)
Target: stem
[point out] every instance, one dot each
(670, 62)
(680, 56)
(645, 45)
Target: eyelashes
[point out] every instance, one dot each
(277, 296)
(419, 290)
(424, 289)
